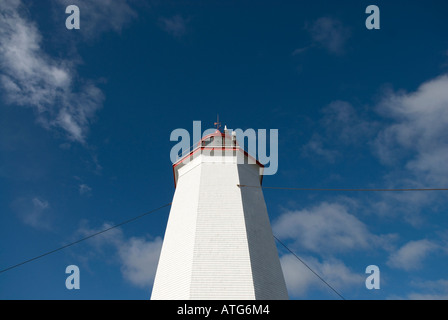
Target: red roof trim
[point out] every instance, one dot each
(212, 148)
(219, 148)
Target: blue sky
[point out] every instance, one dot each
(86, 117)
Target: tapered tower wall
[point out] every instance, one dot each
(218, 242)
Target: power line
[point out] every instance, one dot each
(83, 239)
(303, 262)
(138, 217)
(326, 189)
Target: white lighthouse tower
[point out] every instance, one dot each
(218, 242)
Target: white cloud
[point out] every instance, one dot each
(330, 33)
(411, 255)
(428, 296)
(426, 290)
(430, 290)
(137, 256)
(32, 78)
(410, 141)
(418, 132)
(326, 228)
(139, 260)
(413, 144)
(412, 134)
(300, 280)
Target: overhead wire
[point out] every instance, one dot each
(347, 189)
(241, 186)
(306, 265)
(85, 238)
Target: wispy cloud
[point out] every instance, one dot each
(417, 133)
(137, 256)
(139, 260)
(301, 50)
(411, 255)
(405, 131)
(175, 25)
(426, 290)
(330, 34)
(84, 189)
(340, 126)
(30, 77)
(327, 228)
(300, 280)
(102, 16)
(33, 211)
(430, 290)
(412, 144)
(315, 147)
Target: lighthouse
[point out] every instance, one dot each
(218, 243)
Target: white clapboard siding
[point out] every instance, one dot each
(218, 242)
